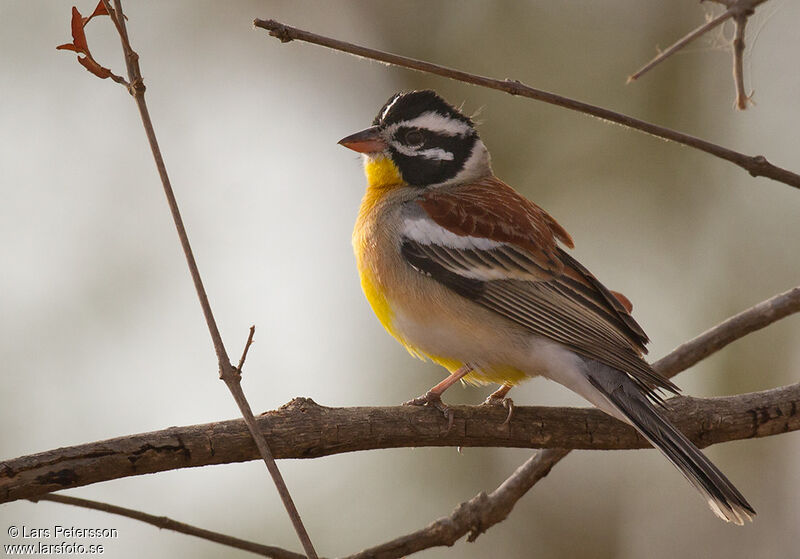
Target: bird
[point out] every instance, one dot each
(464, 271)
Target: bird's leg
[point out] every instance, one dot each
(498, 398)
(433, 397)
(498, 395)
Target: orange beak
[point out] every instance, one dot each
(367, 141)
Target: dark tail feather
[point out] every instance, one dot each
(627, 398)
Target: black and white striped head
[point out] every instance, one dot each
(430, 142)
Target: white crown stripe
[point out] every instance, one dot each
(389, 106)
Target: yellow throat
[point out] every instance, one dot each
(382, 177)
(381, 172)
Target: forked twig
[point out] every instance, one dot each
(682, 42)
(228, 373)
(739, 11)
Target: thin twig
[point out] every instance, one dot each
(162, 522)
(756, 165)
(138, 90)
(740, 11)
(678, 45)
(738, 61)
(755, 318)
(246, 348)
(228, 373)
(472, 517)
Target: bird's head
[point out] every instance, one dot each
(426, 142)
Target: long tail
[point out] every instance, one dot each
(628, 400)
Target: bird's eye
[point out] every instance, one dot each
(414, 138)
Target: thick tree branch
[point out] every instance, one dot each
(304, 429)
(492, 511)
(756, 165)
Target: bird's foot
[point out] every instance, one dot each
(431, 398)
(507, 403)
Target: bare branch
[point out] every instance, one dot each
(738, 62)
(228, 373)
(483, 511)
(680, 43)
(756, 165)
(737, 326)
(740, 11)
(247, 345)
(304, 429)
(162, 522)
(472, 517)
(333, 430)
(540, 464)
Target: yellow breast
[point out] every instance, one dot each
(372, 247)
(380, 266)
(382, 178)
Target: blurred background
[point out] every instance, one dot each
(101, 334)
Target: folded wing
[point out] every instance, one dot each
(498, 249)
